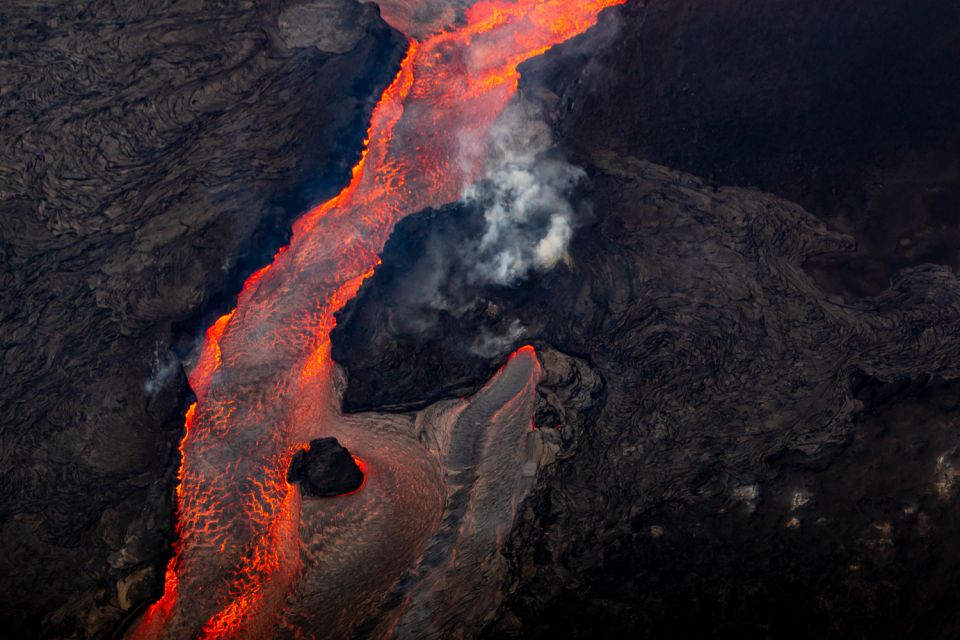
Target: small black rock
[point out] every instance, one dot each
(325, 469)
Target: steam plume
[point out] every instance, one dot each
(164, 367)
(525, 197)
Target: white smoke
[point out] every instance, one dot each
(525, 196)
(489, 344)
(527, 224)
(164, 367)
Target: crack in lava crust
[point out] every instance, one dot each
(264, 377)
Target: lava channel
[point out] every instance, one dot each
(264, 377)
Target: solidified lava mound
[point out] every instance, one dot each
(325, 469)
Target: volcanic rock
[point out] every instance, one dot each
(154, 154)
(325, 469)
(719, 482)
(849, 109)
(742, 452)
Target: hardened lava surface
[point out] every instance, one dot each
(848, 109)
(763, 459)
(154, 153)
(738, 452)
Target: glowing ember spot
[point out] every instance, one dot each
(526, 349)
(362, 464)
(210, 356)
(263, 378)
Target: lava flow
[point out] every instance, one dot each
(263, 378)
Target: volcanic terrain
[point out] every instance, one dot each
(628, 318)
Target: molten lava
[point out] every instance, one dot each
(263, 378)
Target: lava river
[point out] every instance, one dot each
(252, 559)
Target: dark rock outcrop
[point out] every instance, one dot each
(570, 395)
(154, 153)
(846, 108)
(325, 469)
(731, 382)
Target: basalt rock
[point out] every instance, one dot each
(848, 109)
(154, 153)
(325, 469)
(741, 474)
(569, 396)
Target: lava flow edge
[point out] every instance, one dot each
(454, 71)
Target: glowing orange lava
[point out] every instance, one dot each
(263, 376)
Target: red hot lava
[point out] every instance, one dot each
(263, 377)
